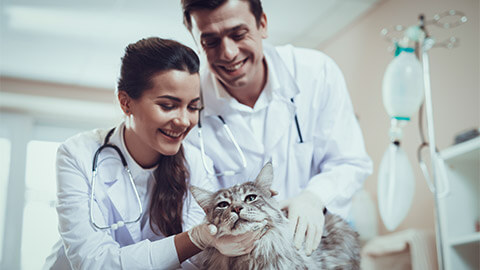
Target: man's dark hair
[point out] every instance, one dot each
(191, 5)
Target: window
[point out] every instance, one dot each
(4, 169)
(40, 223)
(29, 187)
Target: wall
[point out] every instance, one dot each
(361, 52)
(59, 104)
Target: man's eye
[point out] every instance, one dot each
(222, 204)
(210, 43)
(238, 36)
(250, 198)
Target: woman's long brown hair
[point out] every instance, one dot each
(168, 194)
(143, 60)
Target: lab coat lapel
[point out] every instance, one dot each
(121, 193)
(242, 134)
(123, 199)
(281, 111)
(234, 120)
(280, 116)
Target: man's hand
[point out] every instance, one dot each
(305, 212)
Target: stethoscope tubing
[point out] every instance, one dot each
(235, 144)
(121, 223)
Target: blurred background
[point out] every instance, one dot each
(60, 60)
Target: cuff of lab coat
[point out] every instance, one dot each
(160, 254)
(163, 254)
(335, 201)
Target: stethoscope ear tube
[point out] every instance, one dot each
(108, 145)
(120, 223)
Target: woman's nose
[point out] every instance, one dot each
(182, 119)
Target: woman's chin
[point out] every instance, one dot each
(170, 150)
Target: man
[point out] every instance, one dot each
(286, 105)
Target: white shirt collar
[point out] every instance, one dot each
(118, 139)
(217, 102)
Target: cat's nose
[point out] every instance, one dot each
(237, 209)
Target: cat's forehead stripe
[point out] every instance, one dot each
(224, 194)
(236, 192)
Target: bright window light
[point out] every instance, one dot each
(4, 169)
(39, 214)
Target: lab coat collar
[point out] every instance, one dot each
(280, 112)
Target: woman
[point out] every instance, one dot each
(159, 92)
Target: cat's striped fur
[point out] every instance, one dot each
(242, 207)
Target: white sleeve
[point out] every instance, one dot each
(193, 214)
(339, 151)
(89, 248)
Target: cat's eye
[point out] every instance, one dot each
(223, 204)
(250, 198)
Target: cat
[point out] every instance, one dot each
(245, 206)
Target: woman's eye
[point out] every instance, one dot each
(167, 107)
(194, 108)
(250, 198)
(222, 205)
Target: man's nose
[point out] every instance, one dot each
(229, 49)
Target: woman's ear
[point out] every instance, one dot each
(124, 100)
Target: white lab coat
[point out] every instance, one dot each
(332, 161)
(133, 246)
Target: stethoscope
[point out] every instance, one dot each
(234, 142)
(230, 135)
(120, 223)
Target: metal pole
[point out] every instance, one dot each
(427, 45)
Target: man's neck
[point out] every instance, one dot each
(248, 94)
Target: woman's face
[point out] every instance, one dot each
(164, 114)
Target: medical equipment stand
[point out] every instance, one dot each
(428, 43)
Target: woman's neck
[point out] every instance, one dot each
(143, 154)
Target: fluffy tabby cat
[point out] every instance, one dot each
(242, 207)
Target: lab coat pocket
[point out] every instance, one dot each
(301, 161)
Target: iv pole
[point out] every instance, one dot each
(428, 43)
(426, 46)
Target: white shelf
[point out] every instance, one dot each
(459, 211)
(469, 150)
(466, 239)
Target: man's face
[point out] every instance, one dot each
(232, 43)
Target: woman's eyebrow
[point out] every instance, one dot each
(195, 100)
(178, 99)
(170, 97)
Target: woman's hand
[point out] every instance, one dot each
(205, 235)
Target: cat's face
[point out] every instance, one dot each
(240, 208)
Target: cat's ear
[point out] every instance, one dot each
(265, 177)
(202, 196)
